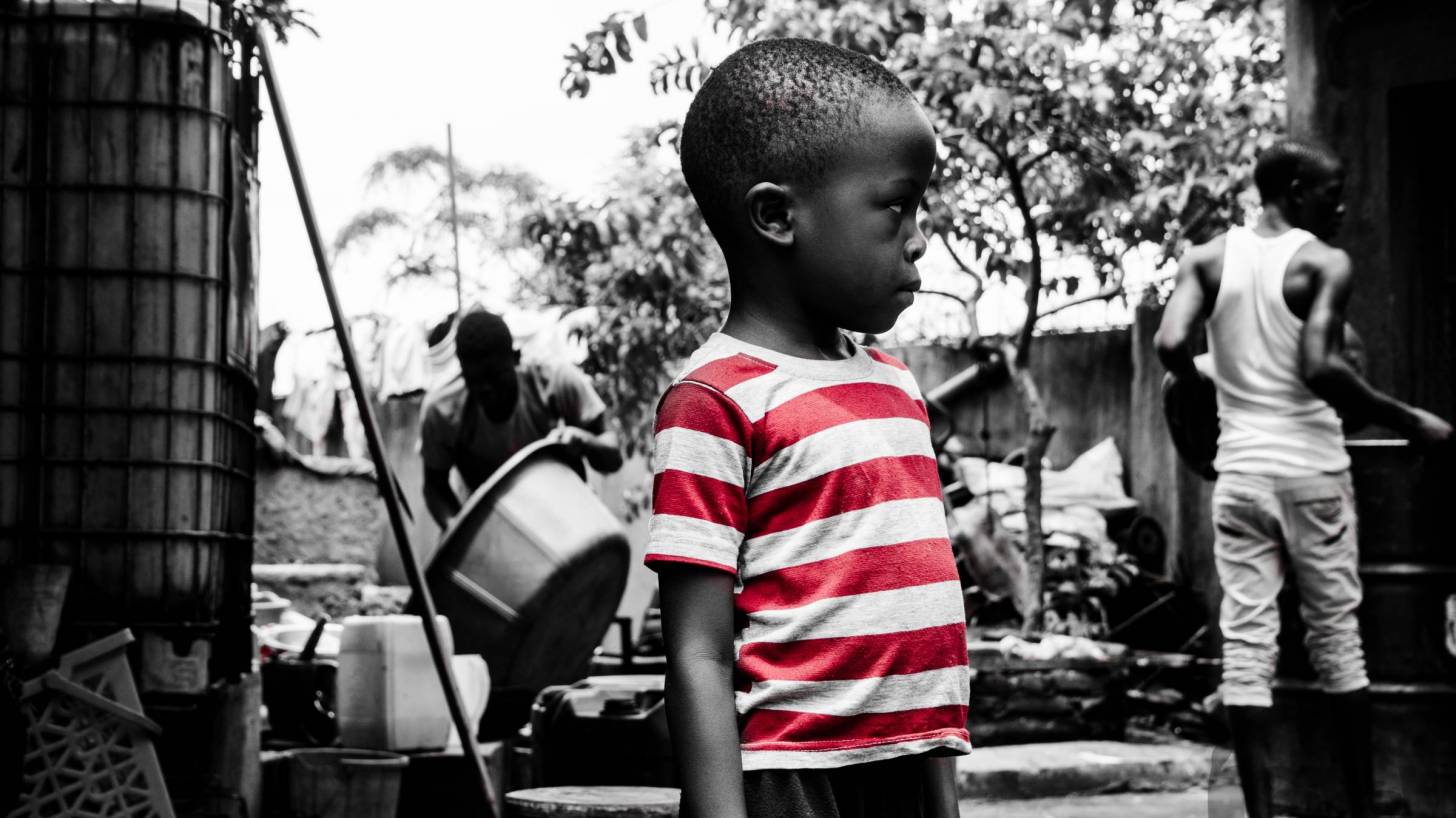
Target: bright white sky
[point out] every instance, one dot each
(386, 75)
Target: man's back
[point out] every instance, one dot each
(1270, 421)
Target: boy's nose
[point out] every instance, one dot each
(915, 246)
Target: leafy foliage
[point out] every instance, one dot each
(1078, 127)
(595, 56)
(1071, 127)
(280, 16)
(418, 234)
(644, 259)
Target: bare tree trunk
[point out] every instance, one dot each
(1039, 426)
(1038, 438)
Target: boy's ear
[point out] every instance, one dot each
(1294, 194)
(771, 213)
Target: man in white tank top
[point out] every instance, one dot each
(1273, 299)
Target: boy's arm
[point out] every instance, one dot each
(1184, 310)
(940, 786)
(1329, 375)
(697, 624)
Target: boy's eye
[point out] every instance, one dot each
(897, 206)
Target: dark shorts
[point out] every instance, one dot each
(880, 789)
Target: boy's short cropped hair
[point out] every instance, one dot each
(775, 110)
(1289, 159)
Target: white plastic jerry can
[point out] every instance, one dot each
(389, 697)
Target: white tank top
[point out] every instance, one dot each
(1270, 422)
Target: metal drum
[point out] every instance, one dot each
(530, 573)
(127, 323)
(1408, 623)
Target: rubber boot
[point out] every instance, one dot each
(1351, 713)
(1253, 730)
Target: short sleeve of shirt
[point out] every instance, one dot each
(438, 431)
(701, 464)
(570, 394)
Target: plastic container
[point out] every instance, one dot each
(531, 571)
(31, 598)
(603, 730)
(291, 638)
(344, 783)
(389, 697)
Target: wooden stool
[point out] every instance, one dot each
(593, 802)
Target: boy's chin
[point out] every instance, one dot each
(877, 325)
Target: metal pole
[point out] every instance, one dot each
(387, 485)
(454, 217)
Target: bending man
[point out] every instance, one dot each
(498, 407)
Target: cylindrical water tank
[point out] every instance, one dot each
(127, 323)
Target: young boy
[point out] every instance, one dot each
(813, 617)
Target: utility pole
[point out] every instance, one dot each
(454, 217)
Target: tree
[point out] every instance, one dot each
(1071, 127)
(644, 259)
(415, 227)
(278, 15)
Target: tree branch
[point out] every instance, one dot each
(1101, 295)
(964, 302)
(1033, 283)
(965, 268)
(1036, 160)
(968, 304)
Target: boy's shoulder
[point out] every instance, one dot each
(886, 358)
(721, 364)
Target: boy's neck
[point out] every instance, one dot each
(779, 325)
(1272, 221)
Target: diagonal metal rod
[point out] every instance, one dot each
(388, 487)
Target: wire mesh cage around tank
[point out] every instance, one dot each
(127, 259)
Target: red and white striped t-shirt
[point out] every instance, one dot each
(814, 482)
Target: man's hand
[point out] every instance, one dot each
(572, 438)
(599, 449)
(1427, 429)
